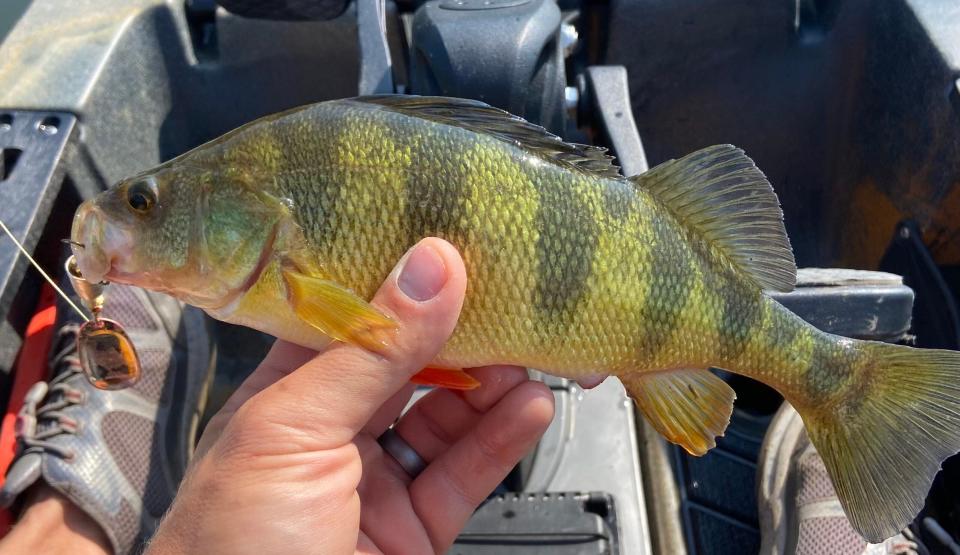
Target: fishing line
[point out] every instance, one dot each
(44, 274)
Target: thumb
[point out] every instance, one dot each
(332, 396)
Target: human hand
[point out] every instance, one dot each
(292, 462)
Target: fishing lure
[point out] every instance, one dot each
(107, 355)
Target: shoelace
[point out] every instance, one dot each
(37, 424)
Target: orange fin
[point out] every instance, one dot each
(690, 407)
(337, 311)
(450, 378)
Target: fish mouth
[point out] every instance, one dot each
(94, 243)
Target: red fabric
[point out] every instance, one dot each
(31, 367)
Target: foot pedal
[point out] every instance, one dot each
(542, 523)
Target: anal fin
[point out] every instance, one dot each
(450, 378)
(689, 407)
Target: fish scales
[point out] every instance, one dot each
(622, 279)
(585, 267)
(597, 264)
(291, 223)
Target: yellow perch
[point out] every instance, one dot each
(289, 224)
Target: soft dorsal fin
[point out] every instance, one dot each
(720, 193)
(483, 118)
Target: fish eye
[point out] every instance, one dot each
(142, 196)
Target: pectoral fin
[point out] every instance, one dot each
(337, 311)
(450, 378)
(689, 407)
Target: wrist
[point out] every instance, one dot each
(50, 523)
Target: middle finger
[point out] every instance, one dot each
(442, 417)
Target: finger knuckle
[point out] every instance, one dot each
(462, 487)
(491, 448)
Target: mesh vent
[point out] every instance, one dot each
(124, 306)
(813, 481)
(127, 524)
(818, 536)
(137, 450)
(153, 366)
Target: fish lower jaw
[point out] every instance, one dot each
(99, 265)
(93, 267)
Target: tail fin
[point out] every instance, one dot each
(883, 446)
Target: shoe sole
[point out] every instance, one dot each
(776, 488)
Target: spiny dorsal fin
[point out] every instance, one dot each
(720, 193)
(483, 118)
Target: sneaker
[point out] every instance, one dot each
(799, 509)
(118, 455)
